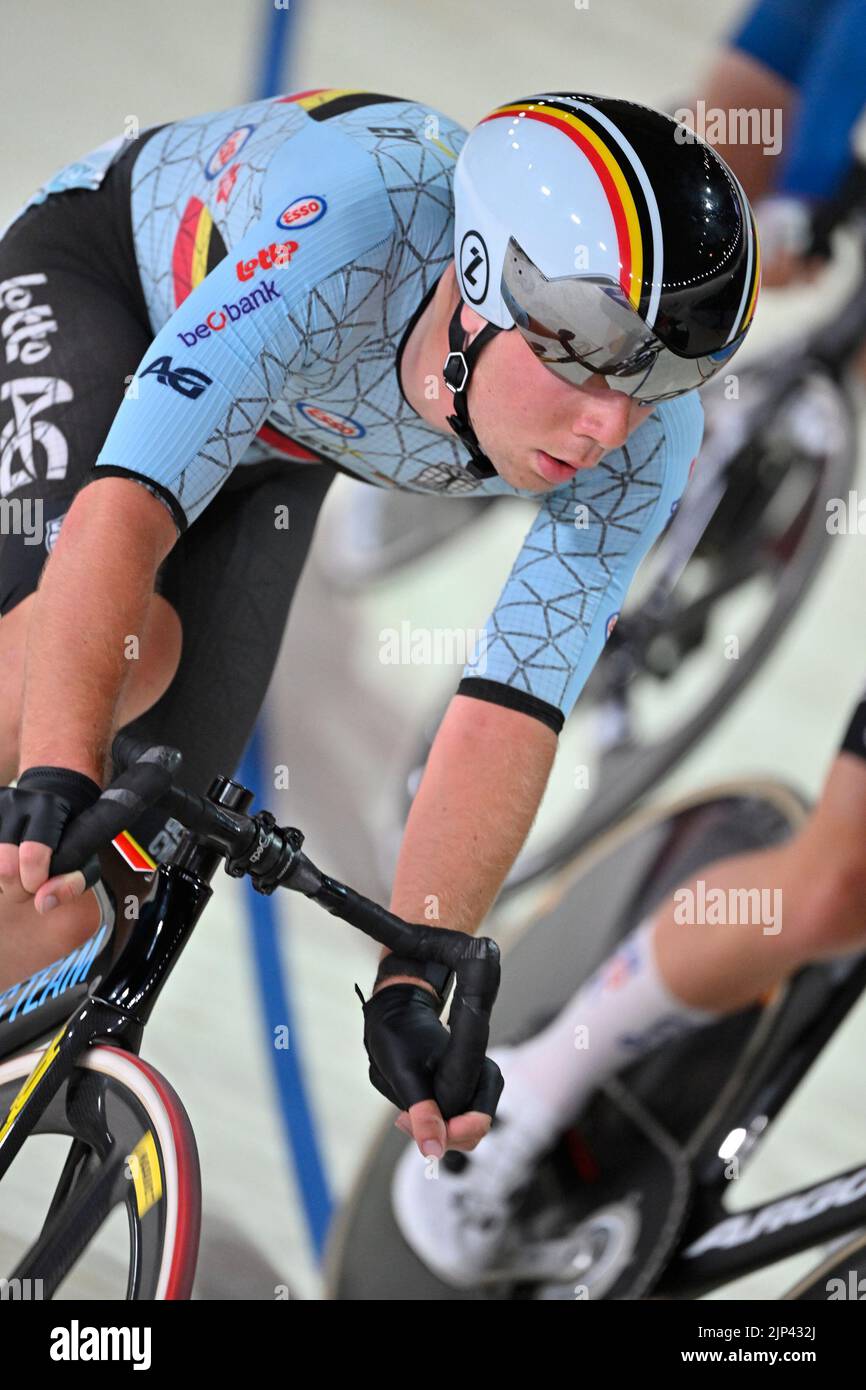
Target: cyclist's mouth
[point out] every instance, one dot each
(553, 469)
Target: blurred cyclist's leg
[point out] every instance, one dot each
(718, 943)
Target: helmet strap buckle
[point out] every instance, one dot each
(456, 373)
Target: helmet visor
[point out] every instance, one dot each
(583, 325)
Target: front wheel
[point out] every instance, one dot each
(123, 1221)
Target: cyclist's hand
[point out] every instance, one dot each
(405, 1043)
(33, 817)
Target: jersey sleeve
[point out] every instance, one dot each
(567, 586)
(217, 367)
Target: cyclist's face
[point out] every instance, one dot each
(536, 429)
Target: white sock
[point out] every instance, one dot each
(622, 1012)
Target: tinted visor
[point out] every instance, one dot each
(583, 325)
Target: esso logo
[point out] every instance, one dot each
(232, 144)
(331, 421)
(303, 212)
(611, 624)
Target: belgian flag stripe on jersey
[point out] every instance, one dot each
(336, 101)
(198, 247)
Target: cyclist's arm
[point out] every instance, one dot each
(491, 759)
(95, 593)
(482, 786)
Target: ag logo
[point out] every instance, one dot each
(186, 381)
(227, 151)
(474, 267)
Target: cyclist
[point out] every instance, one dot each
(204, 324)
(801, 59)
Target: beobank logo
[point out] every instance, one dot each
(331, 420)
(303, 212)
(223, 156)
(230, 313)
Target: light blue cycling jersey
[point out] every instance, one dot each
(286, 248)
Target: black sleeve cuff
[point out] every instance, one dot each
(498, 694)
(109, 470)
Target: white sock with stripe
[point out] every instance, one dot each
(622, 1012)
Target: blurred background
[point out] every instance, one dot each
(282, 1136)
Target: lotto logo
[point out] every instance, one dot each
(26, 325)
(330, 420)
(303, 212)
(227, 151)
(267, 258)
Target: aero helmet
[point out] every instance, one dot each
(615, 240)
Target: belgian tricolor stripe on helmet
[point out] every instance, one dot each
(625, 191)
(751, 293)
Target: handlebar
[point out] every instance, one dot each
(271, 857)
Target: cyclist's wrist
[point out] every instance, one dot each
(405, 980)
(411, 971)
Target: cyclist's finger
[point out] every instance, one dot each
(459, 1071)
(428, 1128)
(63, 888)
(34, 859)
(403, 1123)
(465, 1132)
(10, 879)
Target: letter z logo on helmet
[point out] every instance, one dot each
(186, 381)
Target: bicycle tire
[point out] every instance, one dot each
(160, 1187)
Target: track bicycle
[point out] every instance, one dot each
(70, 1036)
(633, 1200)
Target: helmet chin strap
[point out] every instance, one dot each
(456, 373)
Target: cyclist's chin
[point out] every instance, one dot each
(521, 474)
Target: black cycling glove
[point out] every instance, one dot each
(45, 800)
(405, 1043)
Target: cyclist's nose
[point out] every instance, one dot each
(604, 415)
